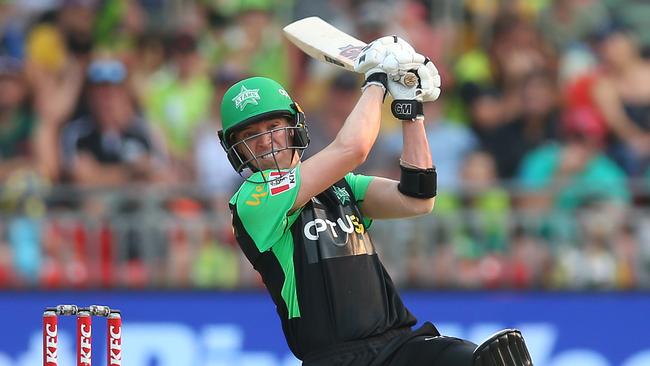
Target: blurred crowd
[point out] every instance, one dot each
(111, 173)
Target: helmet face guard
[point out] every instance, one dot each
(251, 101)
(242, 157)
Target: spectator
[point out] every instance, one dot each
(11, 31)
(517, 50)
(7, 276)
(17, 120)
(178, 100)
(216, 263)
(540, 112)
(622, 94)
(599, 226)
(119, 24)
(572, 174)
(340, 97)
(474, 220)
(633, 14)
(255, 42)
(61, 37)
(565, 22)
(213, 171)
(111, 145)
(529, 260)
(629, 263)
(496, 133)
(537, 121)
(21, 187)
(21, 197)
(144, 61)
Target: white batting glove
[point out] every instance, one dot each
(429, 81)
(387, 54)
(400, 91)
(407, 103)
(426, 90)
(370, 59)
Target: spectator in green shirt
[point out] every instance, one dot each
(575, 173)
(178, 101)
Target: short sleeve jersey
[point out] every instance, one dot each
(318, 262)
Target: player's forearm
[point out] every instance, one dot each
(416, 152)
(361, 128)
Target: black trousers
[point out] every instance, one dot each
(438, 351)
(422, 347)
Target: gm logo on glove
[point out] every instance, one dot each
(406, 110)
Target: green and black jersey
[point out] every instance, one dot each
(318, 263)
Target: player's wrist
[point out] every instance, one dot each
(377, 78)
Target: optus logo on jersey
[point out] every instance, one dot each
(313, 228)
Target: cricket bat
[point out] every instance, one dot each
(326, 43)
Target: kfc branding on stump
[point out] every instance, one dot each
(84, 333)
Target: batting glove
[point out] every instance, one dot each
(427, 88)
(429, 80)
(386, 57)
(407, 103)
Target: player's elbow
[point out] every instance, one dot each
(359, 155)
(422, 206)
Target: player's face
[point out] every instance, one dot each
(268, 141)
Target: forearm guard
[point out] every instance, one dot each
(418, 183)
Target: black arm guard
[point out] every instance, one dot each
(506, 348)
(418, 183)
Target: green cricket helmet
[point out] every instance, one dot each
(253, 100)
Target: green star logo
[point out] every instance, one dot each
(246, 97)
(342, 194)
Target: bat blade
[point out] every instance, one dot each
(324, 42)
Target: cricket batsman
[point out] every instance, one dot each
(303, 225)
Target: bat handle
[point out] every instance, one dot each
(409, 79)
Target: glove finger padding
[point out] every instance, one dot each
(408, 62)
(409, 59)
(370, 58)
(429, 81)
(395, 43)
(389, 54)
